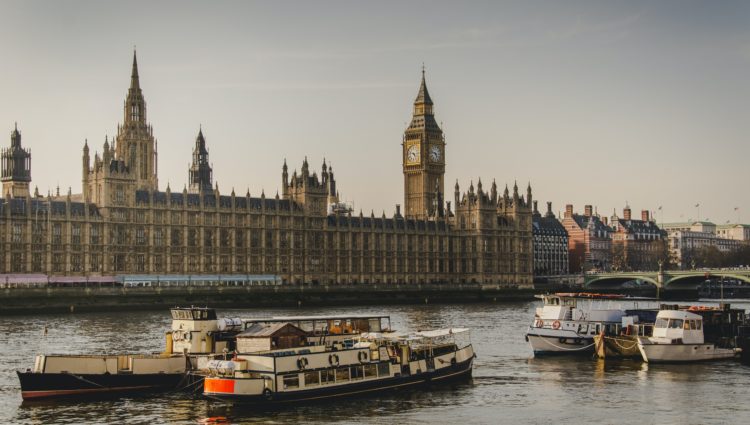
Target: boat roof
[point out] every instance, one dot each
(260, 330)
(437, 333)
(677, 314)
(593, 295)
(330, 317)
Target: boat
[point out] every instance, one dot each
(679, 337)
(194, 331)
(377, 362)
(567, 322)
(196, 338)
(635, 323)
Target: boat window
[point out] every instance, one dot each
(357, 372)
(312, 378)
(675, 323)
(698, 324)
(342, 374)
(384, 369)
(371, 370)
(686, 326)
(291, 381)
(661, 323)
(692, 324)
(327, 376)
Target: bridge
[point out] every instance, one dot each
(665, 279)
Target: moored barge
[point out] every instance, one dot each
(377, 362)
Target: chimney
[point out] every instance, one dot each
(569, 210)
(536, 211)
(605, 220)
(398, 210)
(549, 209)
(587, 210)
(644, 215)
(626, 213)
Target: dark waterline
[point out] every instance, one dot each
(509, 385)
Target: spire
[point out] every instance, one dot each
(134, 83)
(423, 96)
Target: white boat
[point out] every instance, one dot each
(678, 337)
(567, 323)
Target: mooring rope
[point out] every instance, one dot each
(563, 348)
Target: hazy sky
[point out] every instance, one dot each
(593, 102)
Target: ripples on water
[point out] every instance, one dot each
(509, 385)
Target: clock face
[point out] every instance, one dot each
(412, 154)
(435, 153)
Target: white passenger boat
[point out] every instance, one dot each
(678, 337)
(376, 362)
(567, 323)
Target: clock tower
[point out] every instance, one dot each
(423, 151)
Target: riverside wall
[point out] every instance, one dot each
(92, 298)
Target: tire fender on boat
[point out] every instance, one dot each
(539, 323)
(302, 363)
(362, 356)
(268, 394)
(333, 359)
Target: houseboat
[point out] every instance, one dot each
(567, 323)
(196, 338)
(296, 372)
(679, 337)
(195, 333)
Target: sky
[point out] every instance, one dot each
(592, 102)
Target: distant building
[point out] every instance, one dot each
(739, 232)
(122, 223)
(686, 238)
(636, 244)
(550, 244)
(589, 240)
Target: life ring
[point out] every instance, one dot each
(362, 356)
(539, 323)
(268, 394)
(302, 362)
(176, 336)
(188, 335)
(556, 324)
(333, 359)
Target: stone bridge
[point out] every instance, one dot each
(665, 279)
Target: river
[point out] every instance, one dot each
(509, 384)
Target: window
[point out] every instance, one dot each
(675, 323)
(357, 372)
(327, 376)
(312, 378)
(371, 370)
(291, 381)
(342, 374)
(384, 369)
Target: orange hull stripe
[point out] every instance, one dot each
(214, 385)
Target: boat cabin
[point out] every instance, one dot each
(270, 336)
(678, 326)
(197, 330)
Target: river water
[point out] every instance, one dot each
(509, 384)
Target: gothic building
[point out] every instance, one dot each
(550, 244)
(122, 223)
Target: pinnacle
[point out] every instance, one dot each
(423, 96)
(134, 73)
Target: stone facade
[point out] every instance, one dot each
(122, 223)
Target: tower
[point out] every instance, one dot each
(201, 175)
(136, 145)
(16, 167)
(423, 150)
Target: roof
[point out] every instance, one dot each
(547, 226)
(640, 226)
(262, 330)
